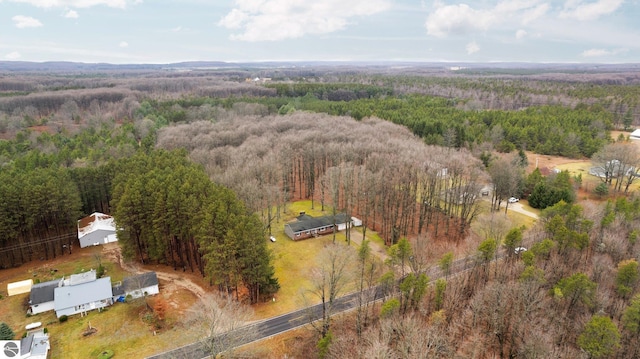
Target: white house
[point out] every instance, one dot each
(35, 345)
(41, 296)
(96, 229)
(635, 135)
(137, 286)
(82, 293)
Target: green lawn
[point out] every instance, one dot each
(294, 260)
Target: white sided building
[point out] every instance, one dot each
(96, 229)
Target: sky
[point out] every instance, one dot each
(162, 31)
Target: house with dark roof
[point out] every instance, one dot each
(82, 293)
(306, 226)
(96, 229)
(41, 296)
(137, 286)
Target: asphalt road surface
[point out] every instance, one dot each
(277, 325)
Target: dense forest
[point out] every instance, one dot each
(196, 165)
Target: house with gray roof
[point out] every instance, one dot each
(80, 295)
(137, 286)
(306, 226)
(35, 345)
(41, 296)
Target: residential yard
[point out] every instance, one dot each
(294, 260)
(127, 328)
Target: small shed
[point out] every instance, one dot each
(23, 286)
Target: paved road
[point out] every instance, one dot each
(277, 325)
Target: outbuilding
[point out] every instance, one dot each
(23, 286)
(96, 229)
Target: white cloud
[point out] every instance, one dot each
(602, 52)
(595, 53)
(12, 55)
(176, 29)
(535, 13)
(521, 34)
(462, 19)
(75, 3)
(577, 9)
(22, 22)
(71, 14)
(272, 20)
(123, 44)
(472, 48)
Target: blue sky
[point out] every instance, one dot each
(159, 31)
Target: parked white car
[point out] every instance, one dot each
(513, 200)
(519, 250)
(272, 238)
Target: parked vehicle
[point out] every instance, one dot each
(513, 200)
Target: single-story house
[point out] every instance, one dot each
(82, 293)
(35, 345)
(23, 286)
(635, 135)
(41, 297)
(137, 286)
(306, 226)
(96, 229)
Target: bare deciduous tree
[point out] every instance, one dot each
(330, 278)
(218, 322)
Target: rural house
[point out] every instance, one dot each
(137, 286)
(35, 345)
(96, 229)
(82, 293)
(306, 226)
(41, 296)
(635, 135)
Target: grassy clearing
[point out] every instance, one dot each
(294, 260)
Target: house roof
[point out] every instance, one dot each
(35, 344)
(135, 282)
(313, 223)
(25, 344)
(139, 281)
(95, 222)
(635, 133)
(43, 292)
(83, 293)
